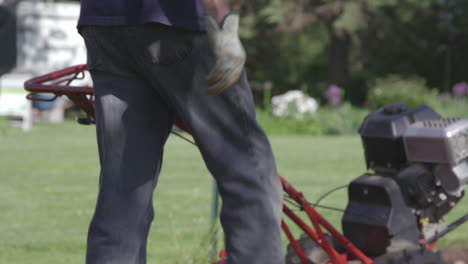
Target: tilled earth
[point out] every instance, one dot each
(455, 255)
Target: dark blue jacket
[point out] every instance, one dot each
(186, 14)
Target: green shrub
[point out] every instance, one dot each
(287, 125)
(452, 107)
(342, 120)
(396, 88)
(346, 119)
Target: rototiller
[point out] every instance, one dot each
(418, 163)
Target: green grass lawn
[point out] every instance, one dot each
(49, 182)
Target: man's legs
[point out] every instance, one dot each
(132, 125)
(224, 126)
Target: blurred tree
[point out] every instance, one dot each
(308, 44)
(285, 48)
(425, 38)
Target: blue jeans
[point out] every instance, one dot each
(144, 77)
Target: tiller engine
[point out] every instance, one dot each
(419, 168)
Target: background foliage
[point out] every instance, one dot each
(378, 51)
(307, 45)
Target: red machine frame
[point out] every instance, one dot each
(59, 83)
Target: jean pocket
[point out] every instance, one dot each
(170, 52)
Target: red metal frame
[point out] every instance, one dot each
(318, 236)
(60, 83)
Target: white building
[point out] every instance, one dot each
(47, 40)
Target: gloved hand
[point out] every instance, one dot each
(229, 53)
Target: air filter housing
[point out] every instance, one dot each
(382, 131)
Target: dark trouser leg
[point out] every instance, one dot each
(238, 154)
(235, 149)
(132, 126)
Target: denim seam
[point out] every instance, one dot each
(242, 109)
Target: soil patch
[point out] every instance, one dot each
(455, 255)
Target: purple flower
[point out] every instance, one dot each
(333, 94)
(460, 89)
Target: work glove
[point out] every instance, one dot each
(229, 54)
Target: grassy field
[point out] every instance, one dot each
(49, 183)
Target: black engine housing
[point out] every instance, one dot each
(377, 217)
(415, 179)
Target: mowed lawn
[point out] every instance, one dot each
(48, 186)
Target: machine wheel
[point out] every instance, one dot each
(411, 256)
(314, 253)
